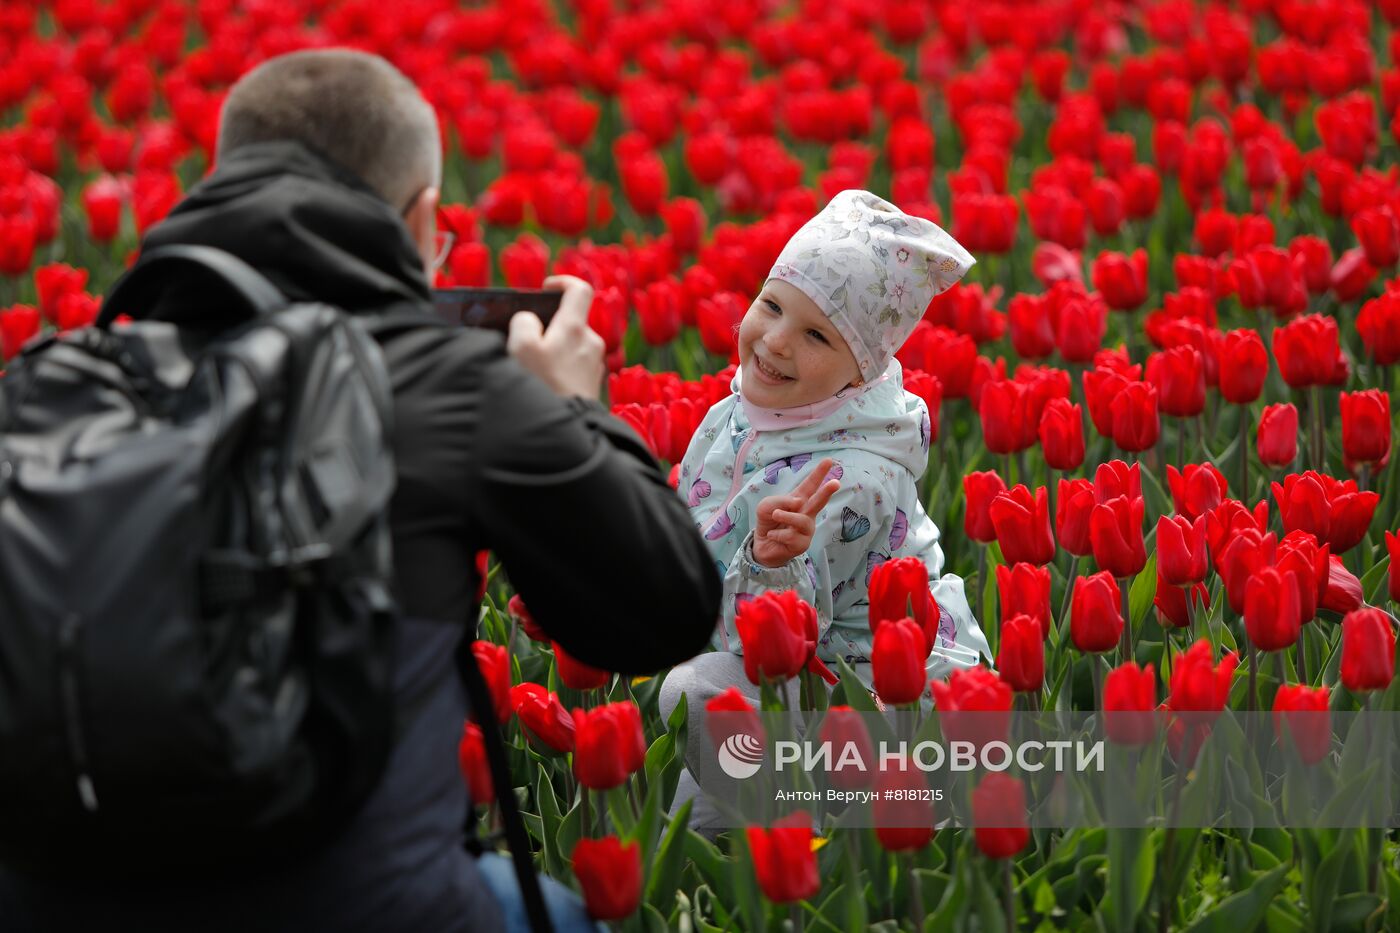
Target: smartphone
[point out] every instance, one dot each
(493, 308)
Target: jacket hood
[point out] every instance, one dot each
(311, 226)
(885, 421)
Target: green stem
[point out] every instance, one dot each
(1008, 895)
(1063, 617)
(1126, 647)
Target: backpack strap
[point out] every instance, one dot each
(137, 290)
(480, 698)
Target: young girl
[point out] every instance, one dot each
(819, 394)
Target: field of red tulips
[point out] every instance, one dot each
(1162, 428)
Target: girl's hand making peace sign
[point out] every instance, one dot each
(785, 524)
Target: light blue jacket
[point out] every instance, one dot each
(880, 443)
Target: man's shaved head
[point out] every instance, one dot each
(354, 107)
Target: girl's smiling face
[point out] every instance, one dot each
(789, 352)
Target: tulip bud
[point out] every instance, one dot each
(1305, 714)
(1021, 654)
(1368, 650)
(903, 814)
(1095, 620)
(1196, 489)
(476, 770)
(609, 744)
(1115, 531)
(494, 663)
(610, 873)
(1277, 437)
(842, 727)
(1366, 427)
(1022, 525)
(897, 661)
(543, 717)
(1271, 614)
(1062, 434)
(1025, 589)
(575, 674)
(1073, 507)
(783, 860)
(979, 489)
(999, 816)
(1129, 698)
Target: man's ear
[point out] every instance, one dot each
(421, 220)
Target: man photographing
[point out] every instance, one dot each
(327, 182)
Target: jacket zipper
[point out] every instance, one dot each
(72, 715)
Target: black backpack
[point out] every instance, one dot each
(195, 577)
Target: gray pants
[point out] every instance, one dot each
(701, 679)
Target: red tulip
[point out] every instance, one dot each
(979, 490)
(610, 873)
(103, 199)
(1343, 592)
(897, 660)
(1313, 254)
(1135, 422)
(494, 662)
(783, 860)
(1021, 654)
(1062, 434)
(1073, 507)
(1170, 601)
(543, 717)
(1271, 614)
(1025, 589)
(779, 635)
(1306, 350)
(1003, 410)
(1352, 275)
(476, 770)
(1378, 232)
(1368, 650)
(1277, 437)
(974, 705)
(926, 387)
(904, 817)
(1079, 325)
(1095, 619)
(1198, 685)
(644, 182)
(1196, 489)
(1115, 531)
(1122, 280)
(999, 815)
(1299, 554)
(1180, 379)
(1129, 698)
(730, 713)
(1181, 549)
(843, 727)
(1116, 478)
(985, 223)
(1331, 510)
(53, 282)
(577, 675)
(524, 261)
(1366, 428)
(18, 323)
(1306, 712)
(1101, 387)
(1023, 525)
(1379, 327)
(609, 744)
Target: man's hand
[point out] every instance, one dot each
(568, 355)
(785, 524)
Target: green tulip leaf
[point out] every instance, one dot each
(665, 868)
(1245, 910)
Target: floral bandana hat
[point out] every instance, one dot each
(872, 269)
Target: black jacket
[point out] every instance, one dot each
(568, 498)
